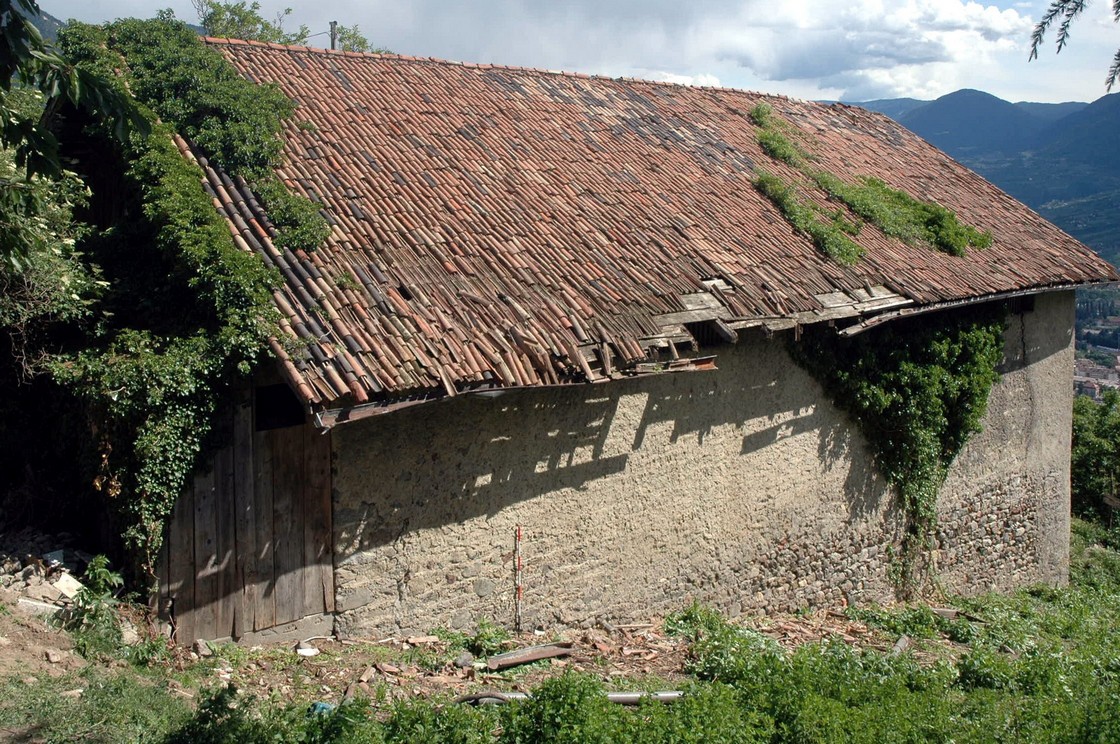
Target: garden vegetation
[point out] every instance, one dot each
(1042, 665)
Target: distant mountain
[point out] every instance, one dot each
(1060, 159)
(892, 107)
(972, 122)
(1087, 136)
(1051, 112)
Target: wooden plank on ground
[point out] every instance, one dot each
(180, 565)
(264, 615)
(287, 523)
(317, 554)
(245, 538)
(205, 555)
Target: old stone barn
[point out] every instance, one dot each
(564, 303)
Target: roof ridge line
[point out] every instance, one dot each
(227, 41)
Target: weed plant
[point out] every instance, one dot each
(92, 621)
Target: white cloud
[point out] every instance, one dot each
(810, 48)
(700, 79)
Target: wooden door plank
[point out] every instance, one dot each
(180, 565)
(264, 614)
(287, 523)
(245, 528)
(225, 547)
(316, 497)
(205, 553)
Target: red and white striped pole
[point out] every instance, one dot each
(517, 580)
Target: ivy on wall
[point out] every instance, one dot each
(892, 210)
(187, 312)
(917, 388)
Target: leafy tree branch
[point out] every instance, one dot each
(242, 20)
(1063, 13)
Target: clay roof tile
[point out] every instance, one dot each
(479, 212)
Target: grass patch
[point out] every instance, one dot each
(830, 234)
(902, 216)
(115, 705)
(892, 210)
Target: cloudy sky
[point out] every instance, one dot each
(851, 50)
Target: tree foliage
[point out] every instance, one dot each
(1095, 456)
(26, 63)
(1063, 13)
(50, 284)
(240, 20)
(187, 311)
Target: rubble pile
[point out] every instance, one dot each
(37, 571)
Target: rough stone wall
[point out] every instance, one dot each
(743, 488)
(1004, 511)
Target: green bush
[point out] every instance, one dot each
(705, 714)
(694, 621)
(224, 717)
(421, 721)
(488, 639)
(569, 709)
(914, 621)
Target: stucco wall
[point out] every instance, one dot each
(1004, 511)
(744, 488)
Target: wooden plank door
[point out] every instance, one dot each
(249, 546)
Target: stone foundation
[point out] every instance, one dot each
(743, 488)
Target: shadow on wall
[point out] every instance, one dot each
(446, 463)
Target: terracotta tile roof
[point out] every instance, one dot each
(504, 227)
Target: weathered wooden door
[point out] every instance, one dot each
(249, 547)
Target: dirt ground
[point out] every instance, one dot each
(628, 657)
(30, 647)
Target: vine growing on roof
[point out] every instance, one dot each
(186, 311)
(892, 210)
(917, 389)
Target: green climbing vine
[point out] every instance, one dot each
(918, 389)
(892, 210)
(187, 312)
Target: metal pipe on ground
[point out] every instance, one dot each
(620, 698)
